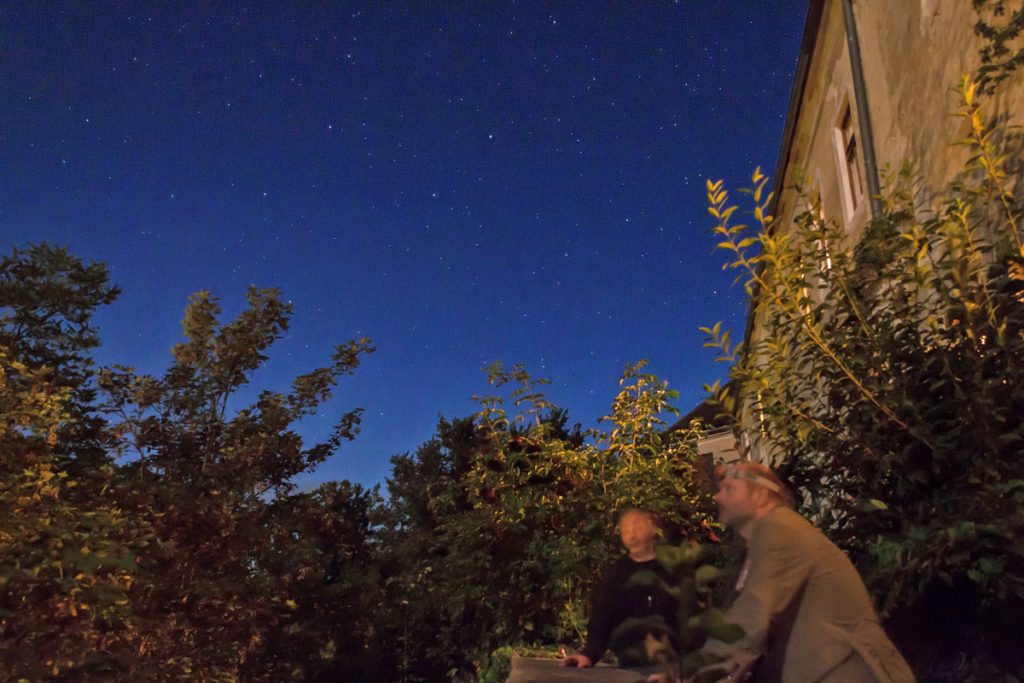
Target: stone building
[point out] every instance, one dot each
(718, 445)
(912, 55)
(875, 86)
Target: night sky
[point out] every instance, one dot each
(461, 182)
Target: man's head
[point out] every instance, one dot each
(747, 491)
(638, 531)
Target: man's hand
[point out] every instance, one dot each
(577, 660)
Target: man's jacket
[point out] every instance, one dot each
(795, 574)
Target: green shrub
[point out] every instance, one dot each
(507, 520)
(886, 381)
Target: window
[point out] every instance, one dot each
(852, 169)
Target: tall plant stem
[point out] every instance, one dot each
(802, 319)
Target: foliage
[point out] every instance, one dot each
(217, 488)
(887, 381)
(511, 522)
(695, 582)
(145, 532)
(67, 552)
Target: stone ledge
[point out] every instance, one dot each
(537, 670)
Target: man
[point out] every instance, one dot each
(615, 601)
(803, 608)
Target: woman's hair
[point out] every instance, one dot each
(634, 511)
(762, 475)
(656, 521)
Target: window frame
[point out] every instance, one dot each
(850, 171)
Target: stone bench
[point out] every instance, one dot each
(536, 670)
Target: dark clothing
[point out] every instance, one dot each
(614, 602)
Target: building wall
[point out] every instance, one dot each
(913, 53)
(720, 446)
(813, 157)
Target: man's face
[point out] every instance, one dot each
(637, 531)
(736, 502)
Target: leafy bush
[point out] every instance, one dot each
(145, 532)
(696, 581)
(887, 382)
(516, 524)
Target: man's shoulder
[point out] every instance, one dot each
(783, 524)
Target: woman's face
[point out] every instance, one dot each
(637, 531)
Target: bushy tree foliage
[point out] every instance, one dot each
(887, 381)
(67, 549)
(505, 521)
(149, 528)
(149, 532)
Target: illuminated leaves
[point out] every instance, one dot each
(164, 538)
(884, 377)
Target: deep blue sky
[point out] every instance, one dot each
(462, 182)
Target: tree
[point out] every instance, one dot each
(216, 488)
(67, 550)
(505, 522)
(148, 532)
